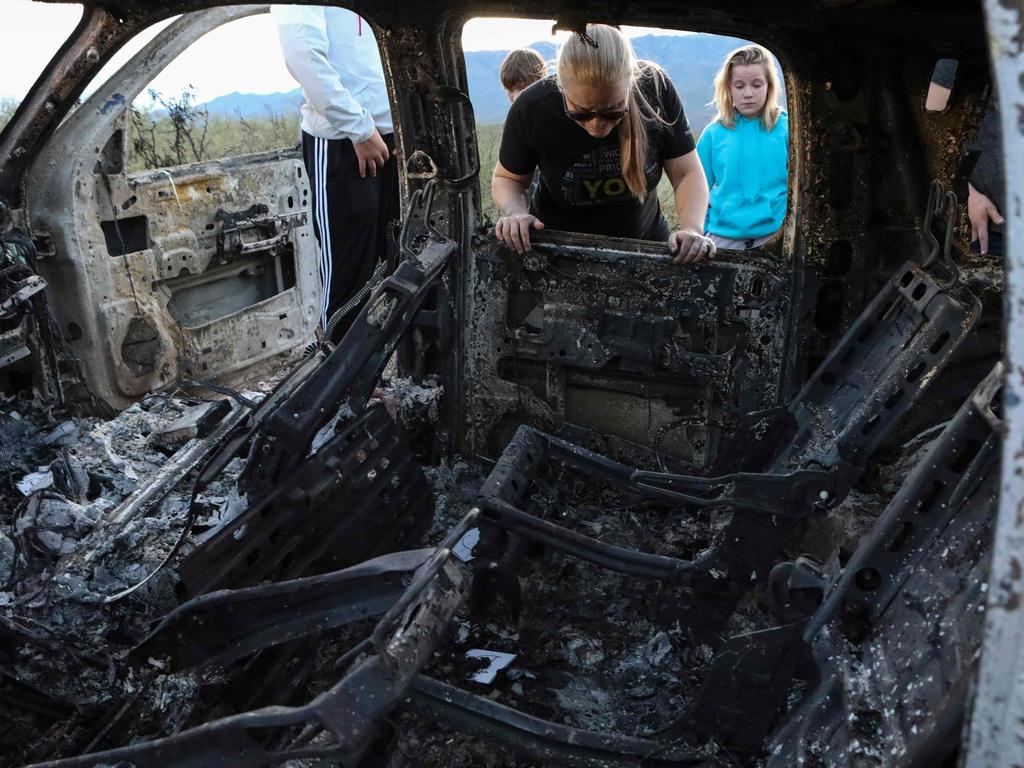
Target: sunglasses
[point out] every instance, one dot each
(586, 115)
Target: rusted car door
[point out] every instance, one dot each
(195, 271)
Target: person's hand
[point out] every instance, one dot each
(981, 210)
(514, 230)
(371, 154)
(689, 246)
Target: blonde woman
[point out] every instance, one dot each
(600, 131)
(745, 152)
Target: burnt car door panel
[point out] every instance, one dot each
(198, 270)
(609, 336)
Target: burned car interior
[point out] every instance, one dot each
(581, 506)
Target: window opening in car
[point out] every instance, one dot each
(217, 100)
(33, 32)
(691, 60)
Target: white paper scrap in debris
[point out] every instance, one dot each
(62, 432)
(497, 661)
(35, 481)
(464, 548)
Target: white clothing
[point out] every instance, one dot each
(333, 54)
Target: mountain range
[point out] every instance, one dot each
(690, 60)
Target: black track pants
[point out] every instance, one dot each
(350, 215)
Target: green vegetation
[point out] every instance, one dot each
(7, 109)
(175, 131)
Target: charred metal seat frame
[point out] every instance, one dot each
(360, 495)
(420, 591)
(746, 687)
(843, 415)
(845, 412)
(227, 625)
(935, 528)
(744, 691)
(366, 464)
(947, 497)
(283, 437)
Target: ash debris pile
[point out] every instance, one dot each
(68, 483)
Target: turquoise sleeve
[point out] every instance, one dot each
(704, 153)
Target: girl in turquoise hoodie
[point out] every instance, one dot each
(745, 152)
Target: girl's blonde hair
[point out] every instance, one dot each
(748, 54)
(602, 56)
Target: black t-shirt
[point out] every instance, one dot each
(581, 185)
(988, 175)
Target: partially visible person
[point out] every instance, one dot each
(986, 190)
(520, 69)
(600, 132)
(745, 152)
(347, 142)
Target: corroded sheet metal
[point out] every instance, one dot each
(196, 271)
(997, 724)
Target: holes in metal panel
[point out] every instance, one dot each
(928, 500)
(963, 461)
(915, 373)
(939, 343)
(907, 279)
(870, 424)
(899, 541)
(868, 579)
(894, 398)
(919, 291)
(123, 236)
(839, 259)
(828, 310)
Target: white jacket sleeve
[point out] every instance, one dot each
(303, 33)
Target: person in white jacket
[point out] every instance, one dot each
(347, 142)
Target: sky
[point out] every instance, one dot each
(33, 32)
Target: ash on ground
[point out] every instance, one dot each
(62, 481)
